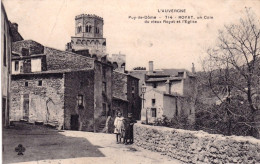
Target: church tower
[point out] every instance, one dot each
(88, 35)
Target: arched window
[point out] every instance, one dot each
(88, 28)
(79, 29)
(97, 30)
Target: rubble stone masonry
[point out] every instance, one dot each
(197, 146)
(57, 60)
(46, 102)
(79, 83)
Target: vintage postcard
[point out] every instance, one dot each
(140, 82)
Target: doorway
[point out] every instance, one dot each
(74, 122)
(26, 107)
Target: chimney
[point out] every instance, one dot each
(193, 68)
(150, 66)
(168, 87)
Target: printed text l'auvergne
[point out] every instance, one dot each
(171, 10)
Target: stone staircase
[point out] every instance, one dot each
(101, 127)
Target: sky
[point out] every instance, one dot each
(51, 23)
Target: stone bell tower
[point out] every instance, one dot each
(88, 35)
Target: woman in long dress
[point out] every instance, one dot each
(118, 126)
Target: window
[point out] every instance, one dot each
(80, 100)
(26, 84)
(39, 83)
(36, 65)
(154, 85)
(79, 29)
(133, 89)
(153, 112)
(4, 59)
(16, 65)
(133, 86)
(97, 30)
(88, 28)
(153, 102)
(104, 87)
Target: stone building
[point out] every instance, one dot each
(126, 95)
(88, 36)
(118, 61)
(60, 88)
(6, 40)
(9, 34)
(169, 92)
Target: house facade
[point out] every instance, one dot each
(170, 93)
(63, 89)
(6, 41)
(126, 97)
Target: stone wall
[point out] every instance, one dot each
(133, 97)
(197, 146)
(5, 65)
(102, 93)
(79, 83)
(119, 87)
(34, 47)
(46, 101)
(57, 59)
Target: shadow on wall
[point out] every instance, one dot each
(42, 143)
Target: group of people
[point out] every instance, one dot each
(124, 128)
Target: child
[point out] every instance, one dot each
(118, 126)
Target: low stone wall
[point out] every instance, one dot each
(197, 146)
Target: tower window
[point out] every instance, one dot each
(88, 28)
(154, 85)
(97, 30)
(79, 29)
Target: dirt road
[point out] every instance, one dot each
(49, 146)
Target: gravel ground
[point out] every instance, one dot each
(44, 145)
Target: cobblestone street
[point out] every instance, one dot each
(48, 146)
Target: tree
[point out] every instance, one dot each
(233, 73)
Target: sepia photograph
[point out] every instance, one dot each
(130, 82)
